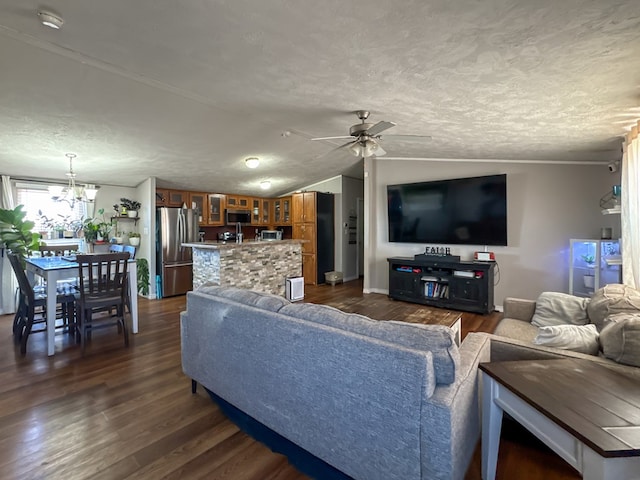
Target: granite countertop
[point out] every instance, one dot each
(214, 245)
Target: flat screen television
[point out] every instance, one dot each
(461, 211)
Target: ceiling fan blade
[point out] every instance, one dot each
(379, 127)
(410, 137)
(332, 138)
(337, 148)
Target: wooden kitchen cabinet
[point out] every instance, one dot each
(198, 202)
(309, 268)
(171, 198)
(162, 197)
(261, 211)
(265, 211)
(307, 232)
(281, 211)
(215, 209)
(313, 221)
(255, 211)
(237, 201)
(304, 207)
(177, 198)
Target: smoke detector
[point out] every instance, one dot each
(50, 20)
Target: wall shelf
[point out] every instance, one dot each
(124, 217)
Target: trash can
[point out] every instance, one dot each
(333, 278)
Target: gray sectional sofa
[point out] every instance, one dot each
(613, 313)
(375, 400)
(372, 400)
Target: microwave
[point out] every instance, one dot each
(233, 217)
(271, 235)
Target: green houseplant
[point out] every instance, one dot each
(134, 239)
(95, 228)
(131, 207)
(16, 232)
(142, 273)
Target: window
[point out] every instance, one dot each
(47, 213)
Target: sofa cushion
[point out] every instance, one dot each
(611, 299)
(266, 301)
(579, 338)
(437, 339)
(555, 308)
(620, 338)
(517, 329)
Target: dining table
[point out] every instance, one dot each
(53, 269)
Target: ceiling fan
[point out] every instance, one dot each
(365, 137)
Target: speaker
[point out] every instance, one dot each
(294, 288)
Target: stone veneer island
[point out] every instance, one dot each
(255, 265)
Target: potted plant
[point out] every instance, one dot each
(142, 273)
(90, 230)
(16, 232)
(118, 237)
(589, 278)
(96, 230)
(131, 206)
(134, 239)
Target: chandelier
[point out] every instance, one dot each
(72, 193)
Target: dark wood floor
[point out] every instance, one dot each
(128, 413)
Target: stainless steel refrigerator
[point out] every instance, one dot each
(175, 226)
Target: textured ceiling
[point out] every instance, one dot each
(184, 91)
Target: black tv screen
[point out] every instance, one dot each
(462, 211)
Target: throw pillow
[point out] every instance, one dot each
(611, 299)
(620, 338)
(579, 338)
(555, 308)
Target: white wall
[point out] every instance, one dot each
(108, 195)
(146, 195)
(548, 204)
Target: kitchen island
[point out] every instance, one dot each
(255, 265)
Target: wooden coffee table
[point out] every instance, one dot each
(438, 316)
(585, 412)
(376, 306)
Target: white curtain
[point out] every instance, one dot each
(9, 284)
(630, 209)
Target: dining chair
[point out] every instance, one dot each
(116, 248)
(57, 250)
(131, 250)
(101, 296)
(32, 306)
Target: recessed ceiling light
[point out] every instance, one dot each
(50, 20)
(265, 185)
(252, 162)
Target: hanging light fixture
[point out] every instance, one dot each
(72, 193)
(364, 147)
